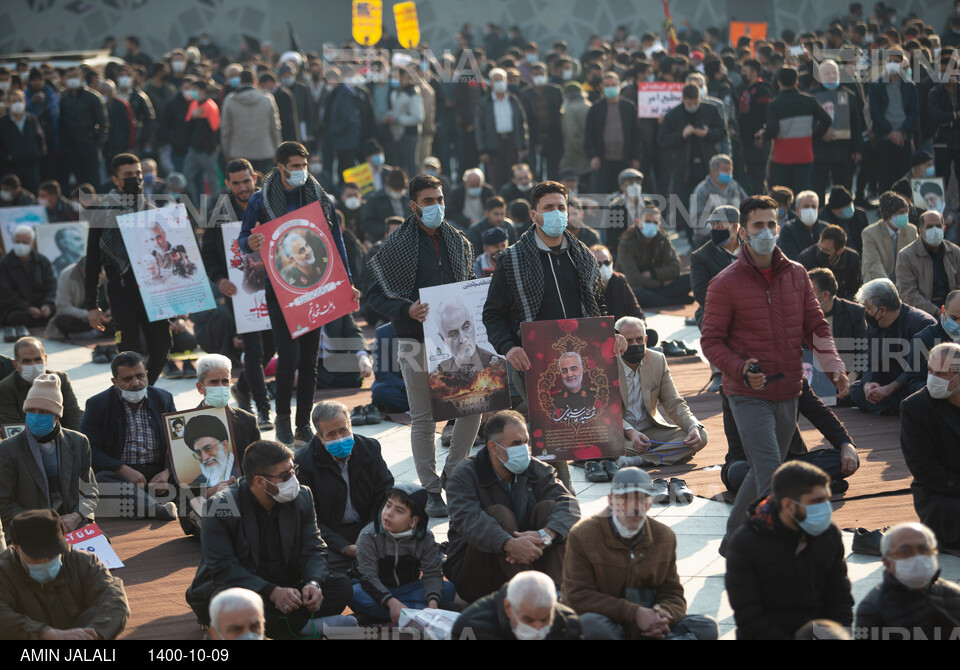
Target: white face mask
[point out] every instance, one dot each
(539, 80)
(892, 68)
(625, 532)
(18, 108)
(31, 372)
(352, 203)
(808, 215)
(915, 572)
(286, 491)
(500, 86)
(634, 190)
(134, 397)
(523, 631)
(21, 250)
(73, 83)
(124, 82)
(606, 272)
(939, 388)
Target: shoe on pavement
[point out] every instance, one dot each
(9, 334)
(690, 321)
(263, 420)
(304, 434)
(358, 417)
(436, 508)
(189, 372)
(839, 486)
(171, 371)
(611, 467)
(682, 346)
(243, 400)
(595, 472)
(679, 493)
(22, 331)
(661, 491)
(284, 433)
(670, 348)
(165, 512)
(372, 413)
(867, 542)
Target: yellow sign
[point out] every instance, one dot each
(408, 27)
(362, 176)
(367, 21)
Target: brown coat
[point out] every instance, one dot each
(877, 257)
(657, 389)
(598, 567)
(915, 274)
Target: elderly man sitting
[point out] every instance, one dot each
(929, 435)
(30, 361)
(348, 477)
(803, 231)
(620, 570)
(645, 385)
(912, 597)
(525, 608)
(508, 512)
(929, 268)
(236, 614)
(28, 288)
(891, 326)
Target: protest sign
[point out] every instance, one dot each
(837, 105)
(656, 98)
(305, 269)
(91, 538)
(928, 194)
(12, 218)
(246, 272)
(63, 244)
(362, 176)
(573, 389)
(466, 375)
(201, 447)
(367, 21)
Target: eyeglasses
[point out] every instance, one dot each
(285, 477)
(909, 551)
(209, 450)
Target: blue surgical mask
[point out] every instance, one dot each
(432, 216)
(848, 212)
(40, 424)
(217, 396)
(44, 573)
(376, 160)
(297, 178)
(474, 192)
(554, 223)
(930, 171)
(817, 519)
(234, 82)
(901, 220)
(340, 448)
(149, 178)
(951, 327)
(518, 458)
(611, 91)
(649, 230)
(724, 177)
(831, 85)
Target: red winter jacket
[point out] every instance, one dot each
(745, 318)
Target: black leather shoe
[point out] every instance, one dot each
(373, 414)
(358, 417)
(284, 433)
(595, 472)
(171, 371)
(679, 493)
(661, 492)
(682, 346)
(867, 542)
(671, 349)
(611, 467)
(263, 420)
(304, 434)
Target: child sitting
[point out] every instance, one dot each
(398, 559)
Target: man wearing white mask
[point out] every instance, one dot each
(804, 231)
(637, 593)
(261, 534)
(508, 513)
(123, 424)
(30, 361)
(501, 130)
(912, 597)
(213, 383)
(28, 288)
(929, 434)
(929, 268)
(22, 147)
(525, 608)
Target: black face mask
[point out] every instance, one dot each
(133, 185)
(872, 320)
(823, 259)
(634, 353)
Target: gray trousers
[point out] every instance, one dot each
(196, 165)
(423, 429)
(766, 429)
(690, 627)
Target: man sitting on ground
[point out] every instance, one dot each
(508, 512)
(620, 570)
(785, 565)
(236, 614)
(830, 252)
(30, 361)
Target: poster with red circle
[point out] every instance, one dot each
(573, 390)
(305, 270)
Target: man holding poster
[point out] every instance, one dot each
(424, 251)
(288, 188)
(106, 250)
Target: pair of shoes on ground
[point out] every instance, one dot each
(677, 348)
(674, 491)
(600, 471)
(365, 415)
(171, 371)
(285, 434)
(14, 333)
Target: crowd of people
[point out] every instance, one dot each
(503, 159)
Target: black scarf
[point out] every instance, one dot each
(394, 266)
(521, 262)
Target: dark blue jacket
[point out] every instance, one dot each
(104, 425)
(920, 347)
(910, 322)
(877, 92)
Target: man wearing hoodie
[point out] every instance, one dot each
(250, 125)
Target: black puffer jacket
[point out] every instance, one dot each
(486, 620)
(775, 585)
(893, 605)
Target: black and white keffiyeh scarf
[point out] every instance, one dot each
(525, 275)
(275, 198)
(394, 266)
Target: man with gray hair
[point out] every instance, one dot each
(912, 598)
(525, 608)
(929, 435)
(348, 477)
(717, 189)
(28, 288)
(803, 231)
(891, 326)
(236, 614)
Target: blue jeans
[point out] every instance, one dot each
(411, 595)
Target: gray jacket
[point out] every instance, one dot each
(380, 557)
(249, 125)
(475, 486)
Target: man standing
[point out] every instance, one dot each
(751, 115)
(758, 312)
(425, 251)
(83, 130)
(203, 128)
(894, 109)
(785, 567)
(501, 130)
(620, 570)
(22, 142)
(250, 125)
(611, 140)
(261, 534)
(542, 102)
(106, 250)
(290, 187)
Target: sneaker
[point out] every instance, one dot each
(284, 432)
(661, 491)
(373, 414)
(243, 400)
(263, 420)
(304, 434)
(165, 512)
(189, 372)
(679, 493)
(358, 417)
(171, 371)
(436, 508)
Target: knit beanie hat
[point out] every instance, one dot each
(45, 394)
